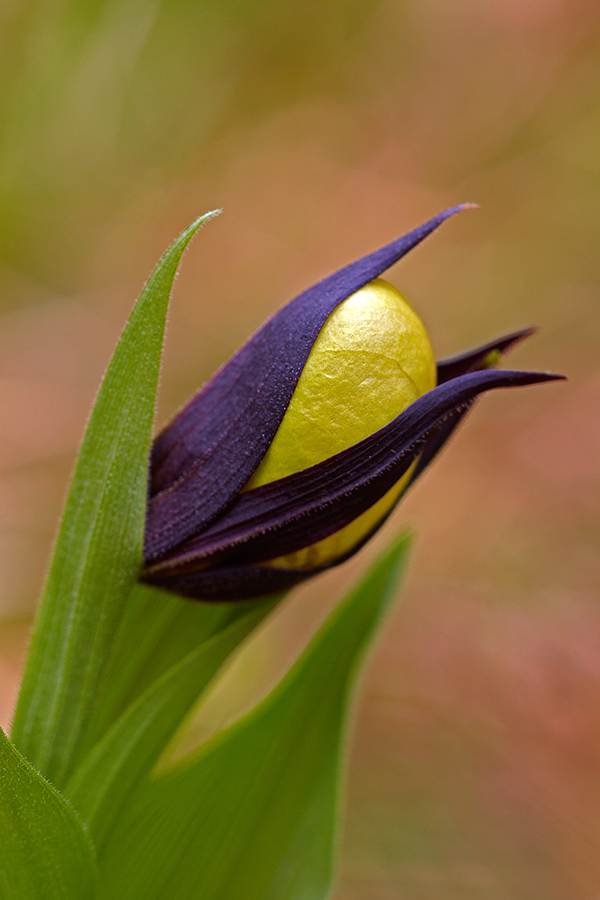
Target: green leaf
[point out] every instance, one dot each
(253, 816)
(46, 853)
(98, 551)
(157, 630)
(102, 784)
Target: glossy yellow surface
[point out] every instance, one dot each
(370, 361)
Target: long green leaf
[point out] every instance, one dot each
(99, 546)
(102, 784)
(45, 853)
(253, 817)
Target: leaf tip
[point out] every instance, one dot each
(199, 222)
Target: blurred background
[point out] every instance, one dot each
(325, 130)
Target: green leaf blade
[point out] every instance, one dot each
(101, 786)
(254, 816)
(156, 632)
(45, 851)
(98, 551)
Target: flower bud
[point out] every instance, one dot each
(294, 453)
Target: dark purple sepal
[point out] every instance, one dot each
(471, 361)
(203, 459)
(294, 512)
(231, 582)
(245, 582)
(474, 360)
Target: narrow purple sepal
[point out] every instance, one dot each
(203, 459)
(473, 360)
(452, 367)
(294, 512)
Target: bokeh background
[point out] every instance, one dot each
(325, 130)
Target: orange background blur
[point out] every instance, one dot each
(325, 130)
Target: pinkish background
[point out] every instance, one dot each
(325, 130)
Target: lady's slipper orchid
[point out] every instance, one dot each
(296, 451)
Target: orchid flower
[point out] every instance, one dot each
(297, 450)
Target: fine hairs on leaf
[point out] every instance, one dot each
(45, 851)
(98, 550)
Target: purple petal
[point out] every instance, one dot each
(202, 459)
(296, 511)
